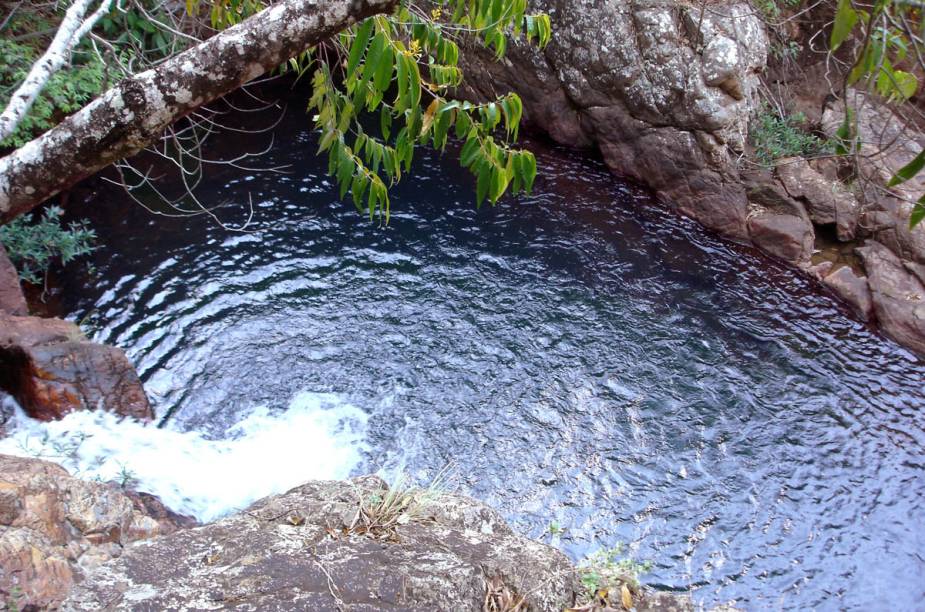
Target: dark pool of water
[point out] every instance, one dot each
(581, 356)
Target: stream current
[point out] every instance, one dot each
(594, 367)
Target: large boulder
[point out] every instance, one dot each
(853, 288)
(779, 225)
(898, 295)
(52, 369)
(827, 200)
(12, 300)
(55, 528)
(662, 88)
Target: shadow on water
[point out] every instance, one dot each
(581, 356)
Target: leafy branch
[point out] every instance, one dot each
(890, 36)
(401, 67)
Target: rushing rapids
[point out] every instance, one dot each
(581, 358)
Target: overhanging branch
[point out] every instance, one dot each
(135, 112)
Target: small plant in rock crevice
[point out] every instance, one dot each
(499, 597)
(35, 246)
(610, 577)
(775, 137)
(773, 9)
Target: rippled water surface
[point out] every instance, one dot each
(581, 356)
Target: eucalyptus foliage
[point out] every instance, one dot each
(401, 68)
(396, 72)
(890, 35)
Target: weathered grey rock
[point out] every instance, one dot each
(827, 201)
(291, 552)
(53, 528)
(51, 370)
(661, 88)
(853, 289)
(898, 295)
(12, 300)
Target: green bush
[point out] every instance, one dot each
(66, 92)
(775, 137)
(33, 247)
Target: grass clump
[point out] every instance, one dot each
(381, 513)
(775, 137)
(772, 9)
(35, 246)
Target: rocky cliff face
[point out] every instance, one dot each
(665, 90)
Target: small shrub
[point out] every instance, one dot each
(775, 137)
(610, 570)
(66, 92)
(33, 247)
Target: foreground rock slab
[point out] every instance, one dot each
(52, 369)
(292, 552)
(55, 528)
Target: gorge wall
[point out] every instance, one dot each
(665, 90)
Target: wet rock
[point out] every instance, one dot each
(827, 201)
(12, 300)
(898, 295)
(786, 237)
(54, 527)
(853, 289)
(51, 370)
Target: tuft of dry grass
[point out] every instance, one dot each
(501, 598)
(380, 514)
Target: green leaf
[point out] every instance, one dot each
(909, 170)
(402, 100)
(359, 45)
(905, 84)
(385, 122)
(414, 82)
(844, 136)
(528, 162)
(845, 20)
(384, 70)
(918, 213)
(483, 183)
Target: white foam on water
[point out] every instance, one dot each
(318, 437)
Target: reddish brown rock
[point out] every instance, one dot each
(55, 528)
(827, 201)
(898, 295)
(51, 370)
(12, 300)
(779, 225)
(853, 289)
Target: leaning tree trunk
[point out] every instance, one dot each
(135, 112)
